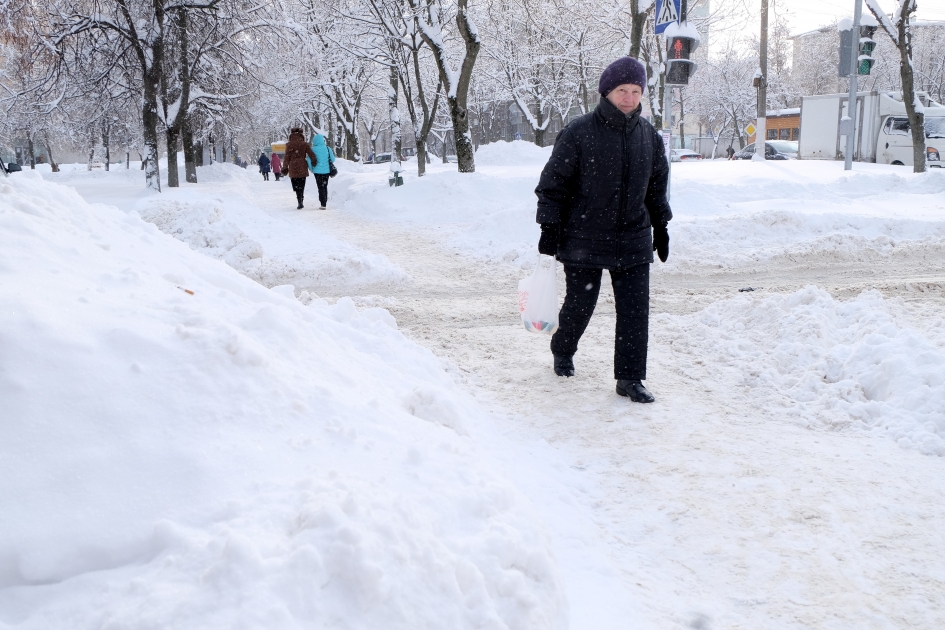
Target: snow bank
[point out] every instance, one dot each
(309, 260)
(859, 364)
(725, 213)
(220, 217)
(183, 447)
(517, 153)
(781, 234)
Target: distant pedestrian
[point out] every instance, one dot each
(322, 168)
(730, 151)
(602, 205)
(295, 165)
(264, 166)
(276, 165)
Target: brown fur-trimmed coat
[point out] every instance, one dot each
(296, 149)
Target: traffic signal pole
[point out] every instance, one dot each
(854, 70)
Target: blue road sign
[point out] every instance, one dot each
(667, 12)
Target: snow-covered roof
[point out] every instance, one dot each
(790, 111)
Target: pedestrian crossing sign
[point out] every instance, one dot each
(667, 12)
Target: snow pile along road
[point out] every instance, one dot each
(726, 214)
(183, 447)
(828, 364)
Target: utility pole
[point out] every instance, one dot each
(761, 133)
(851, 101)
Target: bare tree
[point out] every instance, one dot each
(430, 19)
(899, 31)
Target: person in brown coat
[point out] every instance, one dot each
(294, 164)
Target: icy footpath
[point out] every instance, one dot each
(863, 364)
(182, 447)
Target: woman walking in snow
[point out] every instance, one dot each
(295, 164)
(263, 162)
(602, 205)
(276, 164)
(322, 168)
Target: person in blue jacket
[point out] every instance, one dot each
(322, 168)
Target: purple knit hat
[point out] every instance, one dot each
(624, 70)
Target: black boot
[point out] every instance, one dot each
(564, 366)
(634, 390)
(300, 204)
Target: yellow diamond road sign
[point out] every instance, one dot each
(750, 129)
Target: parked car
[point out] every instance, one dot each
(771, 153)
(786, 148)
(684, 155)
(10, 167)
(452, 159)
(382, 158)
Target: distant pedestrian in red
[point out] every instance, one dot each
(276, 165)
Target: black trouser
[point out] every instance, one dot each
(322, 182)
(298, 185)
(632, 301)
(266, 176)
(277, 174)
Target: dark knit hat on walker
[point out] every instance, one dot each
(624, 70)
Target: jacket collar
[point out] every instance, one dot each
(609, 113)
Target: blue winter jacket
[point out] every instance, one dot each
(324, 154)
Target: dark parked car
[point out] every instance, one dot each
(774, 150)
(10, 167)
(382, 158)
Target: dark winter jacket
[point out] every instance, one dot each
(604, 187)
(263, 162)
(296, 150)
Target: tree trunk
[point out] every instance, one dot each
(637, 22)
(52, 161)
(421, 157)
(149, 120)
(682, 125)
(29, 144)
(173, 140)
(396, 137)
(105, 142)
(127, 160)
(909, 97)
(190, 158)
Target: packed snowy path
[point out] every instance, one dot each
(721, 506)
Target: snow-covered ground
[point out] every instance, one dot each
(243, 457)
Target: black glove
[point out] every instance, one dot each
(548, 243)
(661, 241)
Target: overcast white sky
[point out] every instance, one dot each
(806, 15)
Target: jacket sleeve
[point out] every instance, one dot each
(559, 180)
(655, 200)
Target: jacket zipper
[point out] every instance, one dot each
(623, 189)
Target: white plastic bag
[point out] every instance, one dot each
(538, 297)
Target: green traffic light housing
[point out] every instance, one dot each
(867, 46)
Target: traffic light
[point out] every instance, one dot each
(867, 45)
(678, 65)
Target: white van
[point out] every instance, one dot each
(894, 145)
(882, 129)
